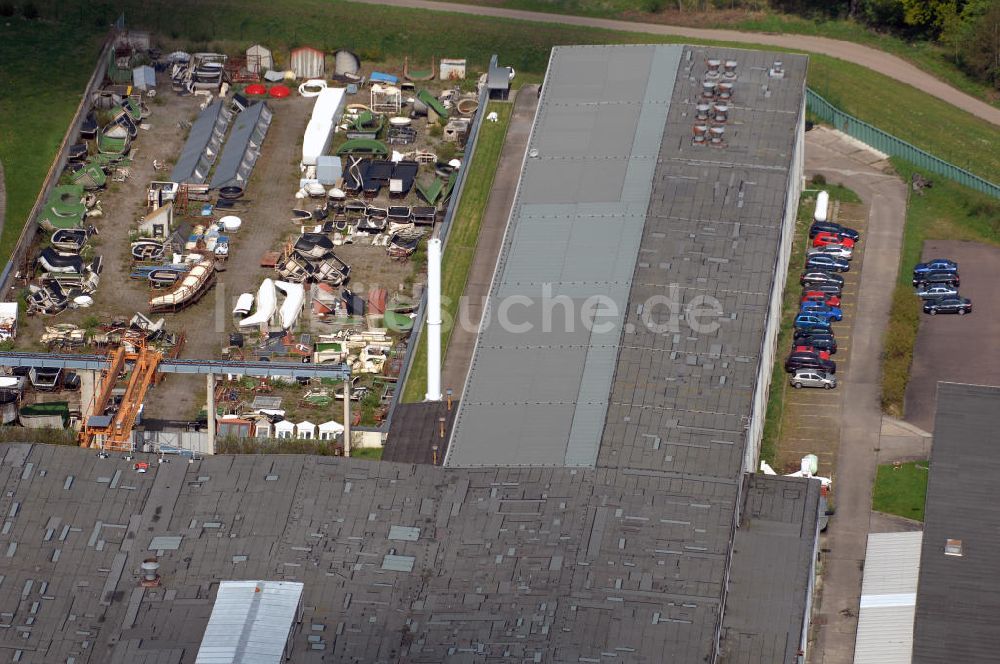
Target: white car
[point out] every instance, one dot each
(833, 249)
(812, 378)
(936, 290)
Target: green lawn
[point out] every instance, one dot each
(45, 69)
(901, 489)
(789, 308)
(47, 63)
(946, 211)
(927, 56)
(462, 239)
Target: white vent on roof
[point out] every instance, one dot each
(730, 69)
(953, 547)
(777, 69)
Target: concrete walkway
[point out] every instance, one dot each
(861, 429)
(872, 58)
(491, 232)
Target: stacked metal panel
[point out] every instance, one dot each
(243, 147)
(203, 144)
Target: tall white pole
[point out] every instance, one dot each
(433, 320)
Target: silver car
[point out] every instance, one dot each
(813, 378)
(838, 250)
(936, 290)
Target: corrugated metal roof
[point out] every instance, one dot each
(251, 622)
(888, 599)
(398, 563)
(404, 533)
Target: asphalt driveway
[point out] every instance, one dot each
(957, 348)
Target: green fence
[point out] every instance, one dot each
(895, 147)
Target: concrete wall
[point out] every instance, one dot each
(769, 349)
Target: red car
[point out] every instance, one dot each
(823, 355)
(819, 296)
(823, 239)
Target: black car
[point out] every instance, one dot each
(948, 305)
(831, 227)
(797, 361)
(937, 278)
(827, 262)
(826, 289)
(811, 278)
(817, 340)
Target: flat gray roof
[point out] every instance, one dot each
(614, 199)
(772, 570)
(539, 397)
(958, 597)
(533, 564)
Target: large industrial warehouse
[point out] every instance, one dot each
(597, 502)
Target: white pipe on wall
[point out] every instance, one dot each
(433, 320)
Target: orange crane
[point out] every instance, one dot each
(116, 434)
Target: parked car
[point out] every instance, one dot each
(938, 279)
(948, 305)
(813, 278)
(796, 361)
(812, 378)
(818, 340)
(833, 227)
(836, 249)
(820, 309)
(823, 355)
(827, 262)
(820, 296)
(825, 238)
(935, 265)
(806, 321)
(834, 290)
(932, 292)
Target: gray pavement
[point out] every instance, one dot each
(872, 58)
(957, 348)
(463, 338)
(845, 540)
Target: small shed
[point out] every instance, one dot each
(330, 430)
(259, 59)
(234, 427)
(8, 322)
(158, 223)
(305, 430)
(329, 170)
(452, 69)
(144, 78)
(262, 428)
(498, 80)
(308, 62)
(284, 429)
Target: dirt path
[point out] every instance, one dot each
(872, 58)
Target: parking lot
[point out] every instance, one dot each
(811, 417)
(957, 348)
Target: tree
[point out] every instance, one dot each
(980, 53)
(930, 16)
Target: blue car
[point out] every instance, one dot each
(821, 309)
(827, 262)
(935, 265)
(809, 321)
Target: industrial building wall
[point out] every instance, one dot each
(769, 349)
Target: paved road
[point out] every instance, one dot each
(861, 426)
(491, 232)
(872, 58)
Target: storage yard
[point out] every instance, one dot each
(234, 210)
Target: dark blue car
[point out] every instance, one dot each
(935, 265)
(833, 227)
(826, 262)
(821, 309)
(818, 340)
